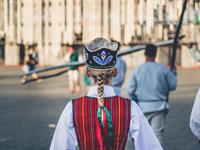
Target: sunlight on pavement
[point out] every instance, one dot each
(52, 125)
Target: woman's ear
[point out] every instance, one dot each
(115, 72)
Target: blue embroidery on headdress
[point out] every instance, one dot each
(108, 60)
(103, 55)
(103, 60)
(98, 60)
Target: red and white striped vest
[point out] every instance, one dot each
(85, 116)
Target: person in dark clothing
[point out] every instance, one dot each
(21, 52)
(30, 64)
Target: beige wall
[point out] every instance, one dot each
(50, 23)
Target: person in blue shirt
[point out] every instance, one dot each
(119, 79)
(149, 85)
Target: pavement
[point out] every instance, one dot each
(29, 113)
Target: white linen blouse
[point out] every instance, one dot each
(65, 136)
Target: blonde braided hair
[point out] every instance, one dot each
(101, 78)
(100, 90)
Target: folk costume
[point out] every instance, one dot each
(96, 122)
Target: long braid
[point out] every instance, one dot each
(100, 90)
(101, 78)
(104, 128)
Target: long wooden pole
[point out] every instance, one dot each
(175, 45)
(121, 53)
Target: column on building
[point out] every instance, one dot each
(86, 19)
(177, 10)
(11, 51)
(160, 19)
(70, 21)
(163, 52)
(130, 21)
(52, 30)
(28, 21)
(171, 14)
(95, 19)
(5, 15)
(47, 31)
(56, 28)
(123, 19)
(64, 36)
(19, 38)
(140, 17)
(115, 20)
(1, 19)
(178, 7)
(165, 29)
(138, 58)
(11, 21)
(154, 20)
(129, 31)
(92, 20)
(106, 19)
(62, 25)
(77, 17)
(150, 6)
(38, 30)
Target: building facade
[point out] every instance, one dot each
(53, 23)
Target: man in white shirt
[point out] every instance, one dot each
(195, 117)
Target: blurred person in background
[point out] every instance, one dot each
(195, 117)
(73, 73)
(118, 81)
(84, 80)
(149, 86)
(31, 60)
(82, 70)
(21, 52)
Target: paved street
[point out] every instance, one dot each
(28, 113)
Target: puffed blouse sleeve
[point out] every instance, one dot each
(65, 136)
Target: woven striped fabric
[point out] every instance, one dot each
(85, 117)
